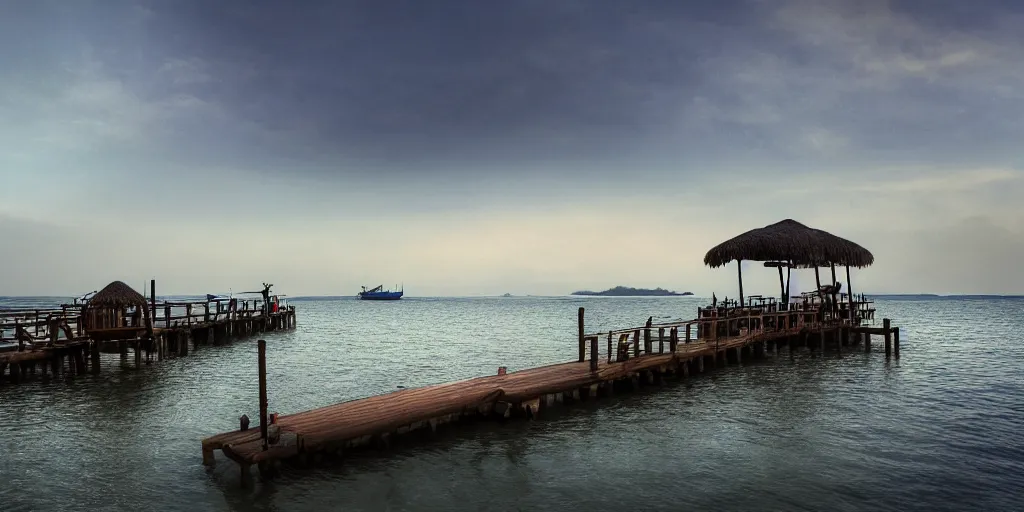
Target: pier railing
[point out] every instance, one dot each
(721, 325)
(30, 327)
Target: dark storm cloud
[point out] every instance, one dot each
(454, 86)
(453, 80)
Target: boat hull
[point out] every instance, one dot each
(380, 296)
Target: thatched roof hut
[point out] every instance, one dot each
(116, 295)
(790, 241)
(791, 244)
(103, 313)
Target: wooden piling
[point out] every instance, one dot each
(262, 350)
(593, 354)
(661, 340)
(583, 347)
(888, 336)
(896, 341)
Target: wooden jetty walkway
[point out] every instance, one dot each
(722, 333)
(631, 358)
(68, 340)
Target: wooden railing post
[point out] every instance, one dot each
(152, 298)
(687, 339)
(673, 339)
(167, 316)
(661, 340)
(579, 322)
(636, 343)
(647, 335)
(609, 346)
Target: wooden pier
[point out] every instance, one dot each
(608, 362)
(58, 341)
(722, 333)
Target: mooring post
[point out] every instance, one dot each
(593, 353)
(888, 336)
(583, 347)
(896, 341)
(262, 348)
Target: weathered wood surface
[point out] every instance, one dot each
(385, 413)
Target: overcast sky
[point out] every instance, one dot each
(527, 146)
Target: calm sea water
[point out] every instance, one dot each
(941, 429)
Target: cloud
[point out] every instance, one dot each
(185, 71)
(532, 144)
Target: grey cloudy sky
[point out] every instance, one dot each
(482, 147)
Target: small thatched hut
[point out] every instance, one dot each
(105, 314)
(791, 244)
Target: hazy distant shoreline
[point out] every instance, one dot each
(625, 291)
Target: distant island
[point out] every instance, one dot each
(625, 291)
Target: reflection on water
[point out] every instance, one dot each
(936, 430)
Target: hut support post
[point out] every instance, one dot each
(835, 303)
(782, 285)
(849, 294)
(789, 280)
(821, 296)
(262, 349)
(739, 272)
(579, 325)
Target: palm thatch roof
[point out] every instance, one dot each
(116, 295)
(790, 240)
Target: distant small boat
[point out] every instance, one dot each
(379, 293)
(507, 295)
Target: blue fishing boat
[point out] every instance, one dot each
(379, 293)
